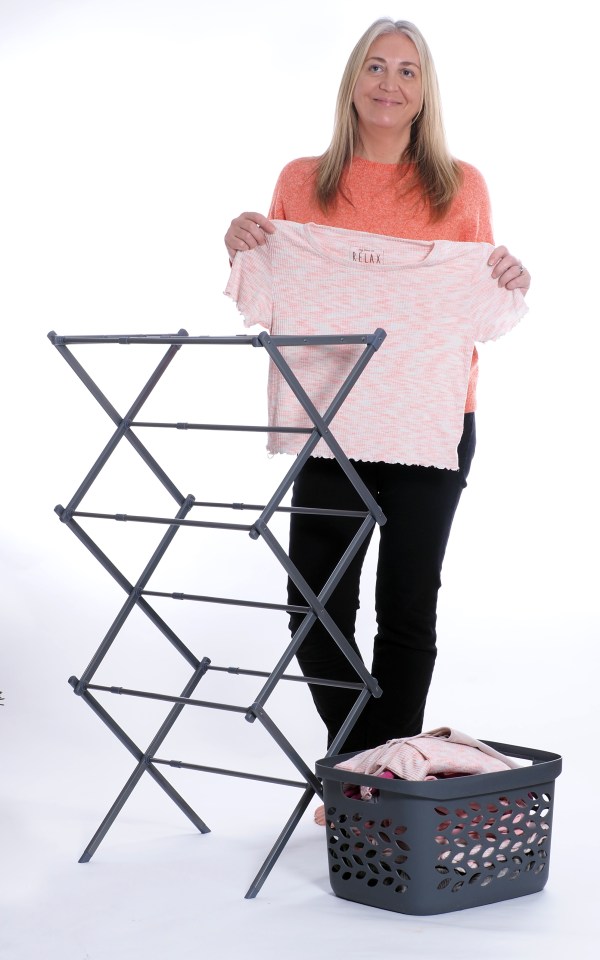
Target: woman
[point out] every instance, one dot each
(387, 171)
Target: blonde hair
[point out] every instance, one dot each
(438, 173)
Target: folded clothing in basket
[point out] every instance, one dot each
(442, 752)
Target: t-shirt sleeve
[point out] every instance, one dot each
(496, 309)
(250, 286)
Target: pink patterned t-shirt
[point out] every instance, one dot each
(434, 299)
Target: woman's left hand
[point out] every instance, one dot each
(508, 271)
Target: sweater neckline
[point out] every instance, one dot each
(376, 164)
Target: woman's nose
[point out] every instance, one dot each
(389, 82)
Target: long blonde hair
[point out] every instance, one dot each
(438, 173)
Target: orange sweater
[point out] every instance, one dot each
(372, 199)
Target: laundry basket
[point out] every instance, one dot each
(436, 846)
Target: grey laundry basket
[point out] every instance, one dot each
(437, 846)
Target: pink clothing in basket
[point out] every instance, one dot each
(442, 752)
(433, 298)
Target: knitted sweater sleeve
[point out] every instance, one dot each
(475, 199)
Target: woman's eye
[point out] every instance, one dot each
(375, 67)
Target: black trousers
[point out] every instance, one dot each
(419, 504)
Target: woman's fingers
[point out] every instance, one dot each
(508, 270)
(247, 231)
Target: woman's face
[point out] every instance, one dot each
(387, 95)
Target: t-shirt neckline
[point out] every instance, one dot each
(362, 240)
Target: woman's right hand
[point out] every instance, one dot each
(246, 232)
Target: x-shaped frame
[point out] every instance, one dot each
(137, 593)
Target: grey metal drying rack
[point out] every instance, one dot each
(126, 427)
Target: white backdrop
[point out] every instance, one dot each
(132, 132)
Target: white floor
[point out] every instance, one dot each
(156, 888)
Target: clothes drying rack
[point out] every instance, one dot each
(128, 427)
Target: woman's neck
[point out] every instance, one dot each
(381, 148)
